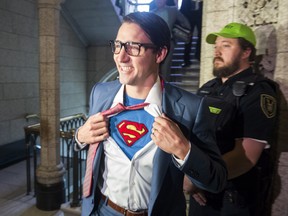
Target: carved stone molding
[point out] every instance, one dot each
(258, 12)
(50, 3)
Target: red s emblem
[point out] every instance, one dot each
(131, 131)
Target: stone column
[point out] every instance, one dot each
(50, 190)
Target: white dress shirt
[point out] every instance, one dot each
(128, 182)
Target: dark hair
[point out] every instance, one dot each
(154, 26)
(244, 44)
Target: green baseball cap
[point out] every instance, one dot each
(233, 30)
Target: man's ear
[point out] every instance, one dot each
(246, 53)
(161, 54)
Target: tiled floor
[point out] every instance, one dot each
(13, 198)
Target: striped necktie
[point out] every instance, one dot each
(93, 147)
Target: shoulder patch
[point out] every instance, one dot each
(268, 105)
(214, 110)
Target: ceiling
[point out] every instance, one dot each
(94, 21)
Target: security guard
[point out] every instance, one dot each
(244, 107)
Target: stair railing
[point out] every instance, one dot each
(73, 161)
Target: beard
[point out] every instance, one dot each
(226, 70)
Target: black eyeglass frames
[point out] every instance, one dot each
(131, 48)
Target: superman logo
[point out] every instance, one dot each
(131, 131)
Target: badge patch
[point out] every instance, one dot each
(268, 105)
(214, 110)
(131, 131)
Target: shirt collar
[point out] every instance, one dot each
(155, 94)
(238, 76)
(154, 97)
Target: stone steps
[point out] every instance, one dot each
(187, 77)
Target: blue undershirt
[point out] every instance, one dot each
(131, 123)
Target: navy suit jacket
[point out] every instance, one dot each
(204, 166)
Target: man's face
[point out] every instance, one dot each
(160, 3)
(138, 70)
(227, 57)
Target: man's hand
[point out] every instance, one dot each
(94, 130)
(167, 135)
(196, 193)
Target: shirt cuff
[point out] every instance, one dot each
(79, 144)
(181, 162)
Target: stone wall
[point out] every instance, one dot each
(269, 19)
(100, 61)
(19, 68)
(73, 72)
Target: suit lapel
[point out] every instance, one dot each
(171, 103)
(173, 108)
(160, 165)
(108, 95)
(102, 96)
(104, 103)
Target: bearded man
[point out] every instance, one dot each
(245, 140)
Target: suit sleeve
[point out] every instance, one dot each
(205, 166)
(78, 146)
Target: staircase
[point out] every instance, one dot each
(187, 77)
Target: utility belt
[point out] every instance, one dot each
(232, 196)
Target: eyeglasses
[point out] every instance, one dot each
(131, 48)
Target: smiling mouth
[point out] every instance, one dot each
(125, 68)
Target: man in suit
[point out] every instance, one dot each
(143, 154)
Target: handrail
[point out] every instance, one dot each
(36, 127)
(136, 3)
(69, 157)
(75, 116)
